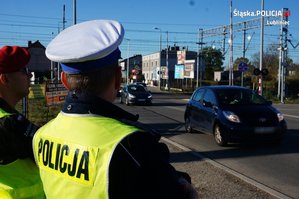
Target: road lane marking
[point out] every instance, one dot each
(293, 116)
(176, 108)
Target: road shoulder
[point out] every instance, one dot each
(209, 180)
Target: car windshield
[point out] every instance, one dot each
(239, 97)
(136, 89)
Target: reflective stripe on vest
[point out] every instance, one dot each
(74, 153)
(4, 113)
(19, 179)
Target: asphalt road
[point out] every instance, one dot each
(274, 166)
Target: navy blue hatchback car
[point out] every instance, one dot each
(233, 113)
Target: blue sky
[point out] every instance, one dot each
(41, 20)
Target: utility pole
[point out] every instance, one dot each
(199, 59)
(260, 84)
(244, 51)
(160, 56)
(63, 27)
(167, 67)
(75, 11)
(280, 60)
(63, 19)
(283, 55)
(128, 61)
(231, 59)
(223, 42)
(52, 65)
(285, 65)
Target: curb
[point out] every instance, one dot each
(230, 171)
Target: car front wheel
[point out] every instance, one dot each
(188, 126)
(219, 136)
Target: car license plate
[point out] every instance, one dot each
(264, 130)
(141, 100)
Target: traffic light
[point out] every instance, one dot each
(257, 72)
(265, 72)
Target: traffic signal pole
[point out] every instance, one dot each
(260, 84)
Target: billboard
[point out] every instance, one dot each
(55, 93)
(189, 69)
(179, 71)
(181, 55)
(164, 72)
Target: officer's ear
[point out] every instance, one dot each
(3, 78)
(64, 80)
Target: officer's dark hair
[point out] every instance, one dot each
(94, 81)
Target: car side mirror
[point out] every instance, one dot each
(207, 104)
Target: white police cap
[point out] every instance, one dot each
(87, 46)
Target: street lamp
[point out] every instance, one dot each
(160, 57)
(156, 28)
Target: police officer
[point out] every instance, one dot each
(94, 149)
(19, 177)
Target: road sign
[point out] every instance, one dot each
(243, 67)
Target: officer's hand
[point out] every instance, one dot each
(190, 192)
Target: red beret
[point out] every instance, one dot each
(13, 58)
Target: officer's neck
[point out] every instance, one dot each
(110, 94)
(10, 98)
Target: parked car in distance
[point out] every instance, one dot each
(233, 113)
(135, 94)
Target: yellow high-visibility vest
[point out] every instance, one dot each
(73, 153)
(20, 179)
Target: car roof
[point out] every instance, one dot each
(223, 87)
(134, 84)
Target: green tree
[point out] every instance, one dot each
(271, 63)
(213, 61)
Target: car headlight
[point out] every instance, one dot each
(280, 117)
(150, 96)
(131, 96)
(231, 116)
